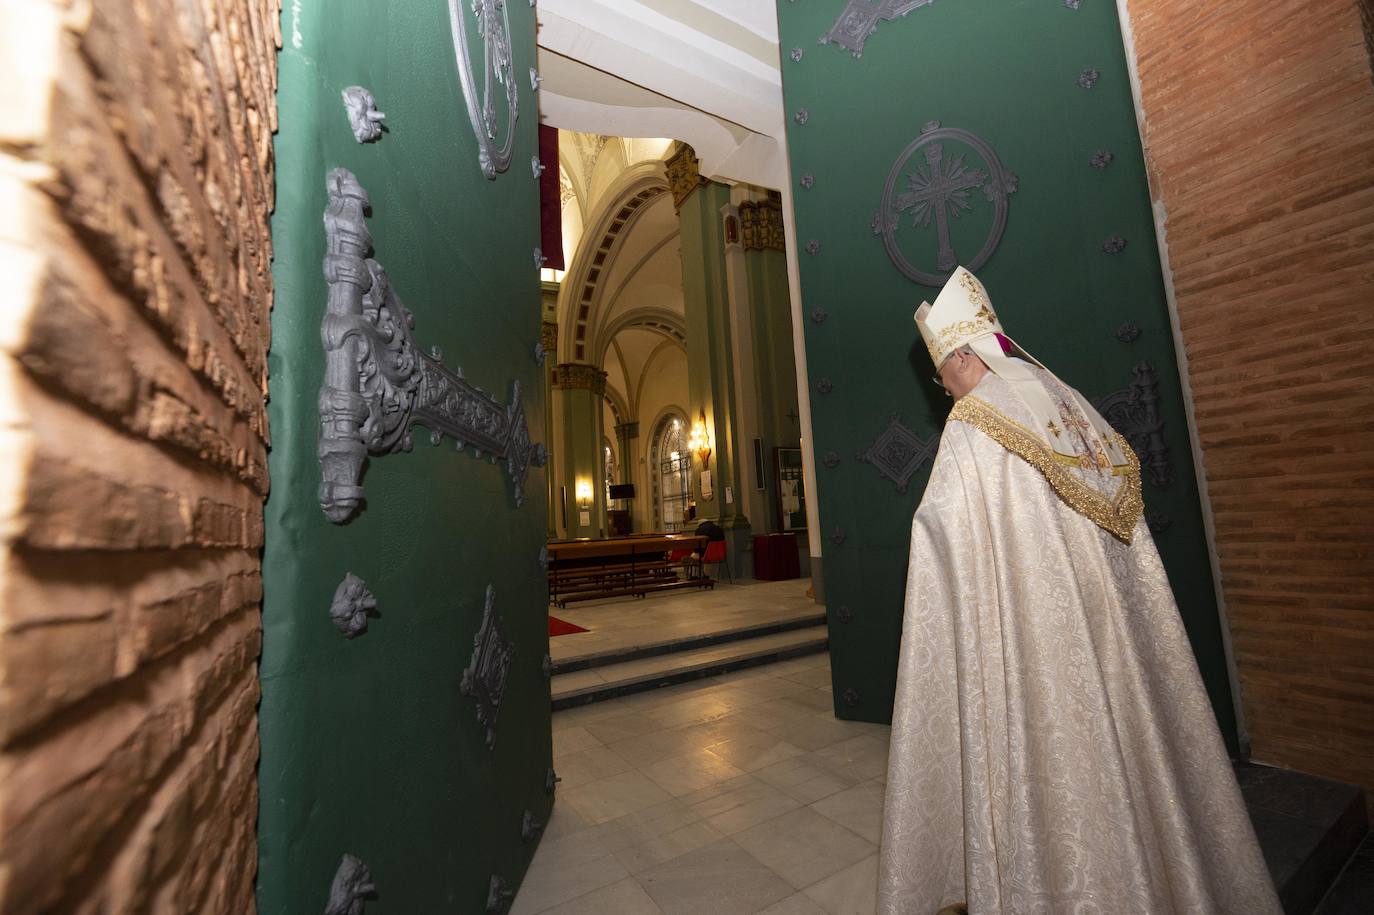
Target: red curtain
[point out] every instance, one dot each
(550, 200)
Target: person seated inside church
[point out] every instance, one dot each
(1053, 749)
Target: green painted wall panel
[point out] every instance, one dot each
(1008, 72)
(367, 745)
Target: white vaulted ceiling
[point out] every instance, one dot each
(702, 71)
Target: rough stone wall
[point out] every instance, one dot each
(135, 189)
(1259, 135)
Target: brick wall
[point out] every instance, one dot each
(135, 187)
(1259, 135)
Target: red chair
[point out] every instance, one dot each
(715, 554)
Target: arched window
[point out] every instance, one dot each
(674, 477)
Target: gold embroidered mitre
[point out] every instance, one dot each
(961, 314)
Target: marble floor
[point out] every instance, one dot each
(731, 795)
(627, 622)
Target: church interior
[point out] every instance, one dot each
(461, 457)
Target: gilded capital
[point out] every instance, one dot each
(548, 335)
(761, 225)
(627, 429)
(684, 174)
(580, 375)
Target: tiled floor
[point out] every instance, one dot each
(735, 794)
(628, 622)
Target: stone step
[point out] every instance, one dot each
(1308, 829)
(611, 680)
(689, 642)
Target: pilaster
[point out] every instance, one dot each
(581, 392)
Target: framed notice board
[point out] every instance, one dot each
(791, 490)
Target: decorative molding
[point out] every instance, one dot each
(484, 679)
(363, 115)
(801, 116)
(1114, 245)
(859, 19)
(808, 181)
(938, 191)
(378, 384)
(898, 452)
(580, 375)
(818, 315)
(499, 895)
(831, 460)
(1101, 159)
(684, 174)
(530, 828)
(843, 614)
(628, 429)
(351, 885)
(565, 188)
(1134, 412)
(589, 153)
(850, 696)
(349, 609)
(548, 335)
(1088, 78)
(761, 226)
(1128, 332)
(491, 26)
(797, 54)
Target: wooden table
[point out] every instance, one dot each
(589, 569)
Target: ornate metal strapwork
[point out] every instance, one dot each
(938, 188)
(898, 453)
(487, 23)
(484, 679)
(859, 19)
(1134, 412)
(378, 384)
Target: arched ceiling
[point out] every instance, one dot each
(703, 71)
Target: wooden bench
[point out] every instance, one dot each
(622, 567)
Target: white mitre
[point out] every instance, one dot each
(963, 316)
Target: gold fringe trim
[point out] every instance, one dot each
(1117, 516)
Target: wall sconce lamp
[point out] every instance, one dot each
(699, 442)
(584, 494)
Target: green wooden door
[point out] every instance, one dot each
(372, 745)
(1041, 88)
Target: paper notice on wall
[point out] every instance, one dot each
(729, 495)
(706, 491)
(787, 490)
(584, 519)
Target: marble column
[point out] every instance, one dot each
(581, 392)
(710, 354)
(627, 444)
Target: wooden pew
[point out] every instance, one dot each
(621, 567)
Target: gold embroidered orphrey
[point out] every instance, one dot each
(1117, 515)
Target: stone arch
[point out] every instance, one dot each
(665, 323)
(581, 294)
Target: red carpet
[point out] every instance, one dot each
(562, 627)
